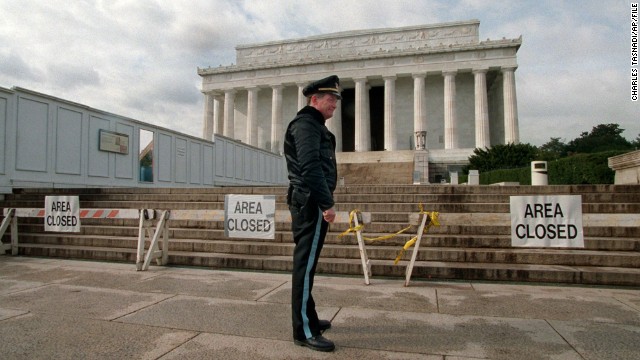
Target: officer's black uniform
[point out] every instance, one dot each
(309, 148)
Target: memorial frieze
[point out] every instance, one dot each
(356, 43)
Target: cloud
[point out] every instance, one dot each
(167, 88)
(573, 69)
(13, 66)
(73, 76)
(566, 104)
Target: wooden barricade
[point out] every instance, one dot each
(423, 219)
(10, 220)
(427, 219)
(12, 215)
(160, 253)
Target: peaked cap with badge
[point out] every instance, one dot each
(329, 85)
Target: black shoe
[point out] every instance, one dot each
(324, 325)
(318, 343)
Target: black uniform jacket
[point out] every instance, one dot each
(309, 148)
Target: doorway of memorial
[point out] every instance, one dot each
(348, 120)
(376, 116)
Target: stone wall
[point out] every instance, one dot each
(400, 173)
(376, 167)
(627, 167)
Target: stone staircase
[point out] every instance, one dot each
(473, 242)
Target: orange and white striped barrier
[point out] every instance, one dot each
(12, 215)
(84, 213)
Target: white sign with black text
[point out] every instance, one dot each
(62, 213)
(250, 216)
(547, 221)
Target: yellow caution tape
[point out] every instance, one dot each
(353, 228)
(387, 237)
(431, 221)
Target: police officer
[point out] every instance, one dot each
(309, 148)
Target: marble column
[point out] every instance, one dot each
(276, 120)
(218, 125)
(252, 116)
(207, 126)
(302, 100)
(229, 108)
(335, 125)
(390, 137)
(511, 131)
(362, 122)
(483, 139)
(419, 109)
(450, 117)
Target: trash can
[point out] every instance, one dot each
(474, 178)
(539, 173)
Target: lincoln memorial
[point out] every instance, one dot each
(416, 100)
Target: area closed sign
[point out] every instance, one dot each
(547, 221)
(62, 213)
(250, 216)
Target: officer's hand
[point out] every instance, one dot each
(329, 215)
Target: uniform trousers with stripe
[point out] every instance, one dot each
(309, 230)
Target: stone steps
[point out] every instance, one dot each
(589, 275)
(434, 238)
(374, 207)
(428, 252)
(473, 242)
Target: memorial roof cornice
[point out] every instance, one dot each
(367, 55)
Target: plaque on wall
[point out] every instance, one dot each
(114, 142)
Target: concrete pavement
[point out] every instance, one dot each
(67, 309)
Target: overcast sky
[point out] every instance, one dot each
(139, 58)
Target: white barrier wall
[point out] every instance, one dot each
(4, 180)
(51, 142)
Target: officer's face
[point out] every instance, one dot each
(325, 103)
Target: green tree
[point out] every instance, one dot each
(501, 157)
(147, 159)
(552, 150)
(603, 137)
(636, 143)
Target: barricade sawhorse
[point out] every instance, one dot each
(10, 219)
(12, 215)
(428, 219)
(146, 217)
(356, 223)
(160, 253)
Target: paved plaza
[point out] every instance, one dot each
(67, 309)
